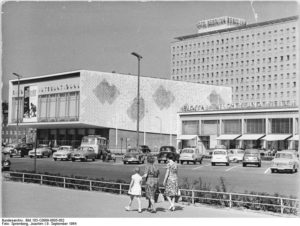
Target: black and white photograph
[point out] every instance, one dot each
(149, 110)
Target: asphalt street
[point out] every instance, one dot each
(236, 177)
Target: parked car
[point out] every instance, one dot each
(5, 162)
(236, 155)
(145, 149)
(164, 151)
(109, 156)
(252, 156)
(41, 151)
(63, 153)
(134, 156)
(220, 156)
(191, 155)
(285, 161)
(83, 154)
(9, 148)
(21, 150)
(270, 152)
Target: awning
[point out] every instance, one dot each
(228, 136)
(273, 137)
(186, 137)
(251, 136)
(295, 137)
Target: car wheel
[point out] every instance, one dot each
(54, 159)
(93, 159)
(259, 164)
(244, 164)
(195, 162)
(10, 156)
(158, 161)
(124, 162)
(227, 163)
(181, 162)
(272, 170)
(213, 164)
(200, 161)
(143, 161)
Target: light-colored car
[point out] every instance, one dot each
(8, 149)
(134, 156)
(220, 156)
(285, 161)
(188, 155)
(41, 151)
(236, 155)
(63, 153)
(252, 156)
(83, 154)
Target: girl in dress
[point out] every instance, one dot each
(135, 189)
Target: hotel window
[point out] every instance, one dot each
(231, 127)
(255, 126)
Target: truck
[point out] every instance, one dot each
(97, 142)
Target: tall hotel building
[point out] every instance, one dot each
(259, 61)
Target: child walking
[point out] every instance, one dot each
(135, 189)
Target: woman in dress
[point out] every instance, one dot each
(151, 175)
(171, 181)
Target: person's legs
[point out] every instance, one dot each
(152, 204)
(139, 203)
(130, 202)
(170, 201)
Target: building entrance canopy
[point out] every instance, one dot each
(295, 137)
(186, 137)
(274, 137)
(251, 136)
(228, 136)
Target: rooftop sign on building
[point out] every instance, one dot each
(219, 23)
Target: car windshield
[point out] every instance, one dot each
(187, 151)
(167, 149)
(220, 152)
(284, 155)
(85, 148)
(89, 140)
(64, 148)
(252, 151)
(240, 152)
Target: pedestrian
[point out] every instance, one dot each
(151, 180)
(135, 189)
(171, 181)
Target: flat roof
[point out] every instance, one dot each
(238, 28)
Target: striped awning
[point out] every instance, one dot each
(295, 137)
(251, 136)
(274, 137)
(228, 136)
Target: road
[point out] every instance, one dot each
(236, 177)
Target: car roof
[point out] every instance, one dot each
(219, 149)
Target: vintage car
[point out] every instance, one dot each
(134, 156)
(220, 156)
(21, 150)
(236, 155)
(167, 150)
(63, 153)
(145, 149)
(193, 155)
(5, 162)
(252, 156)
(83, 154)
(286, 160)
(41, 151)
(9, 148)
(107, 156)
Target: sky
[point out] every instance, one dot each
(45, 37)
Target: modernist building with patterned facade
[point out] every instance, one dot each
(66, 106)
(260, 61)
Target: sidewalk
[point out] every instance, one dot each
(32, 200)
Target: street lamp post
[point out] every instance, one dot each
(17, 128)
(139, 57)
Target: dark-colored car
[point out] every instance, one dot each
(252, 156)
(21, 150)
(107, 156)
(134, 156)
(145, 149)
(5, 162)
(167, 150)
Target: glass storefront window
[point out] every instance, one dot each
(257, 126)
(281, 125)
(209, 127)
(231, 127)
(190, 127)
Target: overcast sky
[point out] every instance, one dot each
(42, 38)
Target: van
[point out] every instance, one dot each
(191, 155)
